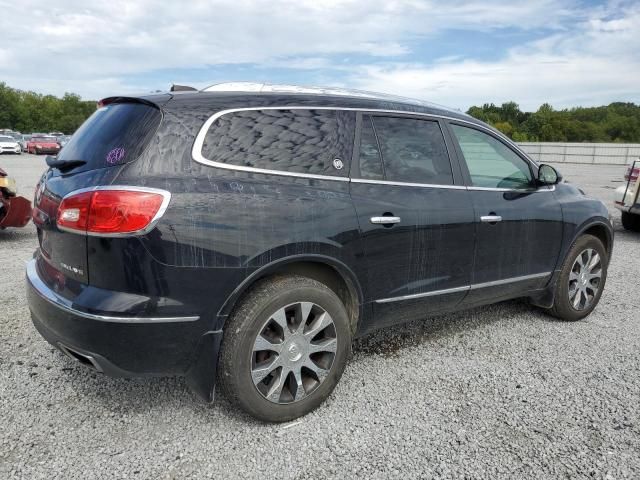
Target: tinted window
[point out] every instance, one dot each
(491, 163)
(113, 135)
(300, 141)
(370, 160)
(413, 150)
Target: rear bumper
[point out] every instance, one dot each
(116, 345)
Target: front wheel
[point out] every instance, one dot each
(581, 280)
(284, 348)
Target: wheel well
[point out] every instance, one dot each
(341, 285)
(600, 232)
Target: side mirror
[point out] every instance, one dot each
(547, 175)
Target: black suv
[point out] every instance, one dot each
(249, 236)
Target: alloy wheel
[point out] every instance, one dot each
(293, 353)
(585, 279)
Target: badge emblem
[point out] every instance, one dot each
(337, 164)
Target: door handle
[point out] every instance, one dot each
(384, 220)
(491, 218)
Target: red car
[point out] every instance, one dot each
(43, 144)
(15, 211)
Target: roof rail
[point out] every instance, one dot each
(252, 87)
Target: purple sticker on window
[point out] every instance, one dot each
(115, 155)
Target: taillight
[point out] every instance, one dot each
(112, 211)
(632, 173)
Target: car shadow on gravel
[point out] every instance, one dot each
(124, 396)
(391, 341)
(11, 234)
(132, 396)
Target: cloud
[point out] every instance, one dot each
(596, 63)
(119, 46)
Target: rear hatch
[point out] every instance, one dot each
(117, 133)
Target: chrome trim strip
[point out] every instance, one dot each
(166, 198)
(505, 281)
(426, 294)
(406, 184)
(521, 190)
(196, 150)
(465, 288)
(47, 294)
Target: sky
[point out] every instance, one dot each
(456, 53)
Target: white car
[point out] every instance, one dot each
(627, 198)
(9, 145)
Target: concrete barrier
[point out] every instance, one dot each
(591, 153)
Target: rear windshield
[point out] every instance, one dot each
(113, 135)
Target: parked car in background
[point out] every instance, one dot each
(627, 198)
(56, 134)
(43, 144)
(249, 236)
(8, 144)
(63, 140)
(15, 211)
(23, 142)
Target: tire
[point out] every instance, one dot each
(564, 306)
(631, 221)
(256, 315)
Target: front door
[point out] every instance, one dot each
(518, 224)
(415, 216)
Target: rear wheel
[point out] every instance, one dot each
(284, 348)
(581, 279)
(631, 221)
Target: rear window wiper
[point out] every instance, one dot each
(53, 162)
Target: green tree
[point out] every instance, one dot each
(32, 112)
(617, 122)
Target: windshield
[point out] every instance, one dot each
(6, 139)
(44, 139)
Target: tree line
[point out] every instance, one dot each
(29, 112)
(616, 122)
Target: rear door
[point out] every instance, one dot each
(518, 224)
(416, 218)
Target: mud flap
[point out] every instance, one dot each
(201, 377)
(18, 212)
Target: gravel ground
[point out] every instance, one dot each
(497, 392)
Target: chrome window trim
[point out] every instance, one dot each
(47, 294)
(474, 286)
(166, 198)
(406, 184)
(196, 150)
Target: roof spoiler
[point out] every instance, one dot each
(182, 88)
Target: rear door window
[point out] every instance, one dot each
(115, 134)
(413, 150)
(317, 142)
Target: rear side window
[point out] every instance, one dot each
(413, 150)
(115, 134)
(317, 142)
